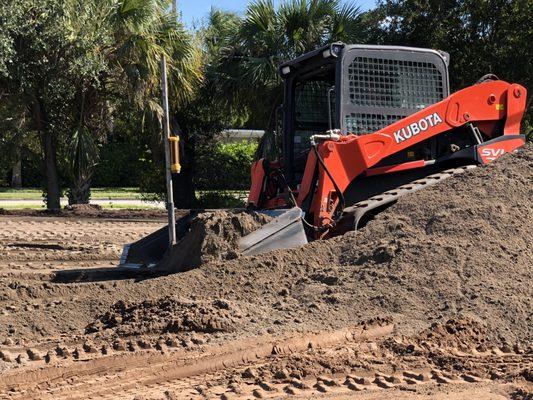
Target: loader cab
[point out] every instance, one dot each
(358, 89)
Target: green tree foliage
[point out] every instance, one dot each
(11, 137)
(482, 36)
(35, 65)
(225, 166)
(146, 31)
(242, 86)
(221, 169)
(206, 115)
(267, 36)
(80, 79)
(71, 64)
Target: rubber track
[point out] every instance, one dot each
(359, 210)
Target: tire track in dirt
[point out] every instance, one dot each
(151, 368)
(246, 383)
(232, 371)
(26, 243)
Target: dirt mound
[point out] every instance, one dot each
(212, 236)
(460, 249)
(168, 315)
(462, 332)
(83, 208)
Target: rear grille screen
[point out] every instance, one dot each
(406, 85)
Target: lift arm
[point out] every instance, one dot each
(486, 103)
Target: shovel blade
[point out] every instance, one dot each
(283, 232)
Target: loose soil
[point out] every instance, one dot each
(449, 267)
(212, 236)
(167, 315)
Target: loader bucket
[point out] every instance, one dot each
(153, 252)
(150, 250)
(284, 232)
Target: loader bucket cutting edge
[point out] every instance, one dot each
(284, 232)
(150, 250)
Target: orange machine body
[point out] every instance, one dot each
(495, 108)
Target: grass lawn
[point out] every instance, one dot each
(111, 206)
(96, 194)
(115, 193)
(20, 194)
(118, 198)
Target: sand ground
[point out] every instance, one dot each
(432, 300)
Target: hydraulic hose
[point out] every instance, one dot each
(342, 201)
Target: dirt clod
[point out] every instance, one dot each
(168, 315)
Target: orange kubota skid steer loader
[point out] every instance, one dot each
(361, 126)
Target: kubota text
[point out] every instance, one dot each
(416, 127)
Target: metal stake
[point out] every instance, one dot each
(168, 173)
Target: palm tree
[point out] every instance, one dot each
(129, 37)
(144, 31)
(269, 36)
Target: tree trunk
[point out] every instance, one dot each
(80, 191)
(53, 193)
(16, 176)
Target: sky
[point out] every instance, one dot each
(193, 11)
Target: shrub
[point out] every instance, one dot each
(218, 199)
(218, 169)
(225, 166)
(120, 165)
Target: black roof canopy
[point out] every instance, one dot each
(312, 60)
(324, 55)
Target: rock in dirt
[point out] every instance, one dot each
(6, 356)
(34, 355)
